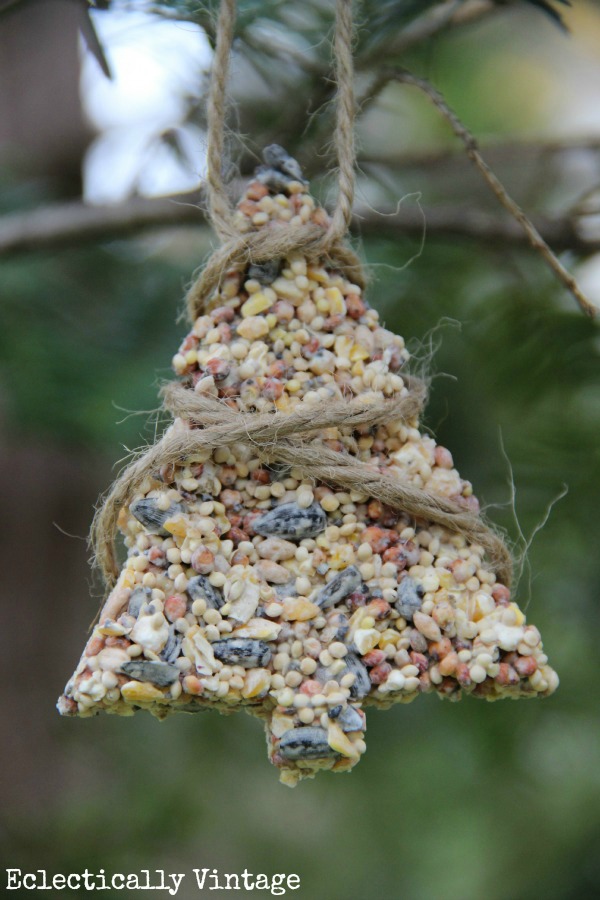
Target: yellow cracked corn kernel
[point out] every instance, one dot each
(255, 304)
(258, 681)
(299, 609)
(358, 352)
(318, 274)
(287, 289)
(342, 556)
(343, 345)
(338, 741)
(519, 616)
(177, 527)
(253, 327)
(336, 301)
(141, 692)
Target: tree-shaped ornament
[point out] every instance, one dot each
(296, 547)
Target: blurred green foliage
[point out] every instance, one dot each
(85, 335)
(451, 802)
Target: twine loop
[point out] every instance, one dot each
(205, 423)
(221, 212)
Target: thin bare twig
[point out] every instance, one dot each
(462, 133)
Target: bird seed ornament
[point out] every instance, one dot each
(296, 546)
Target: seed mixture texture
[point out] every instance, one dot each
(247, 586)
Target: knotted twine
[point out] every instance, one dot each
(204, 423)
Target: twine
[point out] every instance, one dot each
(313, 241)
(205, 423)
(221, 211)
(276, 243)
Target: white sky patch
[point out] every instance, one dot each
(155, 63)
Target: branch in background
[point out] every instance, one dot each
(71, 224)
(470, 224)
(535, 238)
(74, 224)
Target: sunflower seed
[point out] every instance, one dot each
(410, 598)
(246, 652)
(342, 584)
(265, 272)
(151, 516)
(291, 522)
(362, 682)
(139, 596)
(159, 673)
(275, 180)
(200, 588)
(350, 719)
(170, 651)
(274, 155)
(305, 743)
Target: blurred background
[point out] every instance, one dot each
(102, 144)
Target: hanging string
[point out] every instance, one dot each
(240, 249)
(220, 209)
(344, 127)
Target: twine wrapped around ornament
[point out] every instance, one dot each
(203, 422)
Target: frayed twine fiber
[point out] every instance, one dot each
(203, 422)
